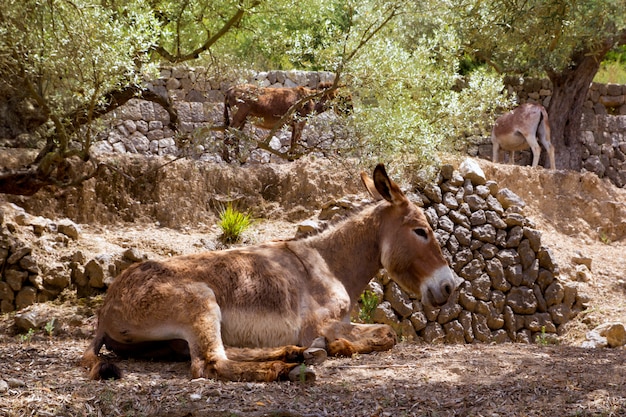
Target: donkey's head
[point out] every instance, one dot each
(409, 250)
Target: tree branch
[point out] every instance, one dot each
(235, 19)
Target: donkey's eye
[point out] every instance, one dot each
(421, 232)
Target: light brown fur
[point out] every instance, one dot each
(524, 127)
(272, 301)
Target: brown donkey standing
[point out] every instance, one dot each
(524, 127)
(256, 313)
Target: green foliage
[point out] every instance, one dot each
(533, 36)
(49, 327)
(544, 339)
(27, 337)
(369, 302)
(233, 223)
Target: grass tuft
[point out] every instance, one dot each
(233, 223)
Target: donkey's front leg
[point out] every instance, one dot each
(346, 339)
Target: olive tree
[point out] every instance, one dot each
(66, 63)
(561, 39)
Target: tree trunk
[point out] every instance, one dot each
(569, 92)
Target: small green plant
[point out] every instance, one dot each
(369, 302)
(233, 223)
(49, 327)
(604, 238)
(544, 339)
(302, 375)
(27, 337)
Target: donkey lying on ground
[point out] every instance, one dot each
(265, 107)
(256, 313)
(519, 129)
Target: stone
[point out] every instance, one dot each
(433, 193)
(25, 297)
(496, 273)
(31, 318)
(465, 318)
(383, 313)
(514, 237)
(466, 299)
(480, 287)
(398, 300)
(17, 254)
(419, 321)
(522, 300)
(554, 293)
(478, 218)
(15, 278)
(68, 228)
(406, 330)
(475, 202)
(472, 171)
(508, 199)
(480, 328)
(510, 323)
(560, 314)
(501, 336)
(472, 270)
(514, 219)
(580, 259)
(613, 332)
(454, 332)
(463, 235)
(27, 263)
(540, 322)
(307, 228)
(450, 311)
(433, 333)
(6, 292)
(514, 275)
(494, 219)
(508, 257)
(534, 238)
(485, 233)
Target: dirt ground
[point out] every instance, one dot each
(578, 214)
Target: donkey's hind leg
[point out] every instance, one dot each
(208, 355)
(346, 339)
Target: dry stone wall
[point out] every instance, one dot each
(25, 279)
(142, 127)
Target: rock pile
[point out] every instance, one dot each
(604, 146)
(23, 279)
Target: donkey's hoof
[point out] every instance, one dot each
(314, 356)
(302, 374)
(319, 342)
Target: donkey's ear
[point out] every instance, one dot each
(388, 189)
(371, 187)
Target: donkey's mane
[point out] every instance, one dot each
(327, 226)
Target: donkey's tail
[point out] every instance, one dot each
(99, 368)
(543, 127)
